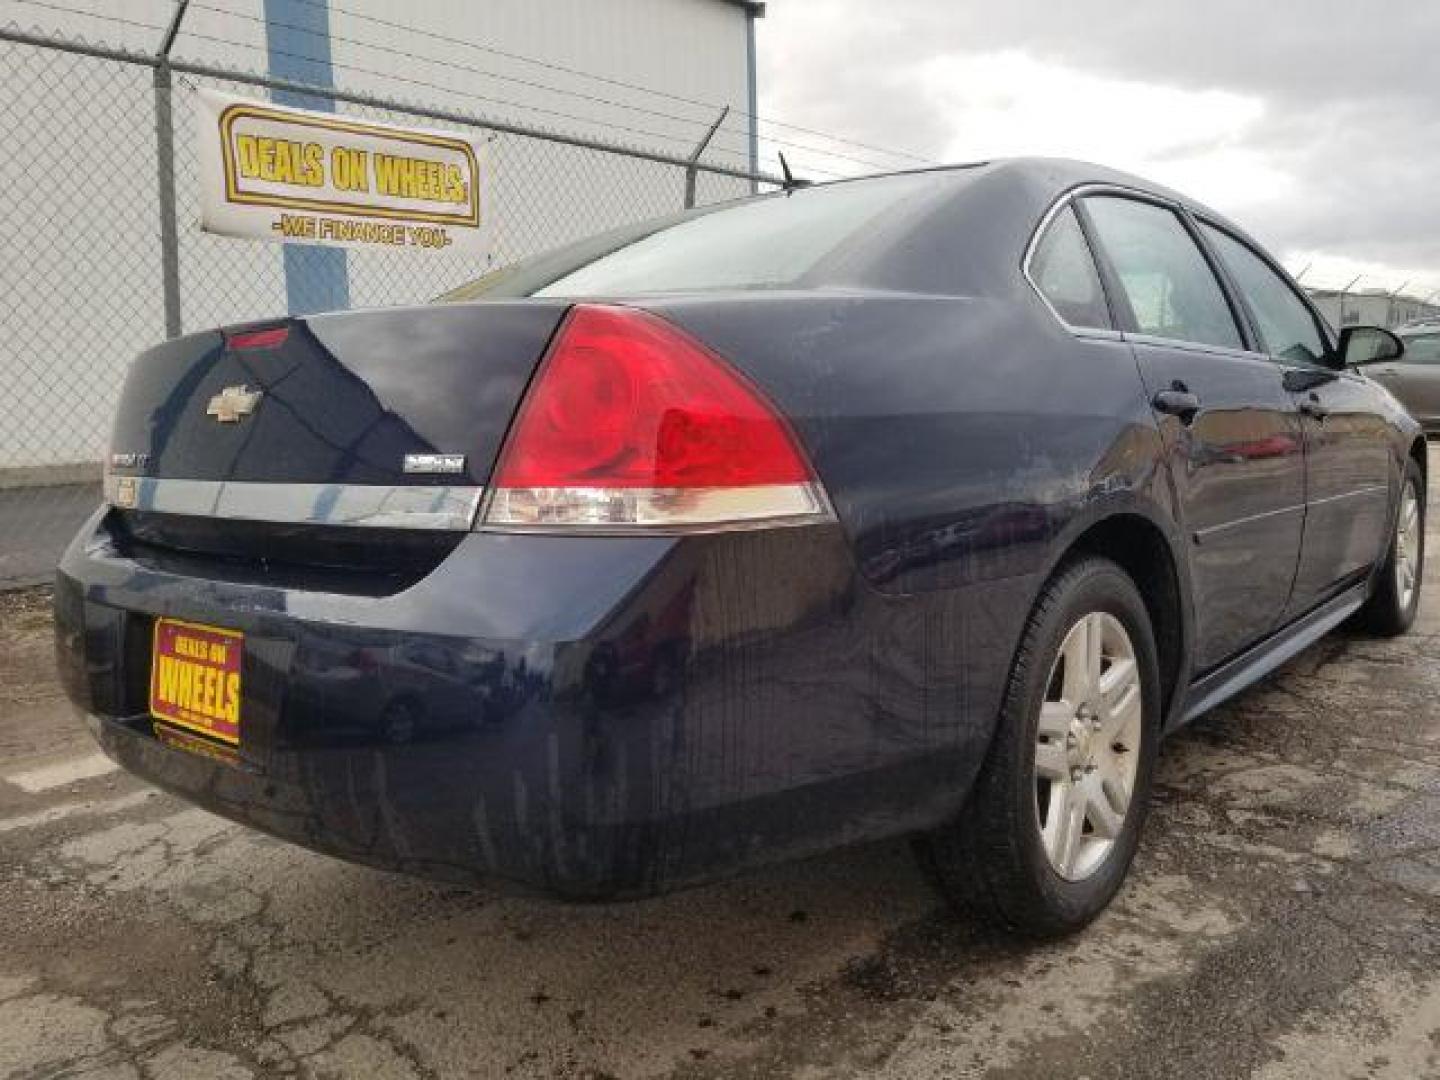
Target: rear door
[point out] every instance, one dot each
(1347, 439)
(1233, 432)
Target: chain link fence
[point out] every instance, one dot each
(86, 198)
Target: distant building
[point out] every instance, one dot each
(1371, 307)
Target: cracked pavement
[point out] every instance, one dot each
(1282, 921)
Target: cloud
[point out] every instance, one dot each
(1010, 103)
(1313, 123)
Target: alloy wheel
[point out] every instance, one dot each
(1407, 546)
(1087, 747)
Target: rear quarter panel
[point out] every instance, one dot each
(960, 439)
(965, 443)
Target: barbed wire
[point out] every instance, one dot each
(390, 76)
(711, 106)
(699, 123)
(736, 154)
(119, 20)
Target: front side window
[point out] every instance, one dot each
(1064, 272)
(1285, 322)
(1170, 287)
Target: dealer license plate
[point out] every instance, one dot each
(195, 678)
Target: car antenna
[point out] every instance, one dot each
(791, 183)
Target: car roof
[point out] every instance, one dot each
(1057, 175)
(965, 233)
(987, 210)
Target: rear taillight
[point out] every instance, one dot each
(630, 422)
(271, 337)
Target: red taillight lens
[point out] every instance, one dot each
(630, 421)
(627, 400)
(270, 338)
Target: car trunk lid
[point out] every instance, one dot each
(253, 451)
(335, 399)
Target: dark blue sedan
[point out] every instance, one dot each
(917, 504)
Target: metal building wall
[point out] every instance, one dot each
(688, 48)
(685, 49)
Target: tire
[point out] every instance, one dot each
(996, 858)
(1391, 609)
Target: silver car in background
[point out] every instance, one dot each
(1414, 377)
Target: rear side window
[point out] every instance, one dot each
(1421, 349)
(1170, 287)
(1064, 272)
(1283, 319)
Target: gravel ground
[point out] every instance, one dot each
(1283, 920)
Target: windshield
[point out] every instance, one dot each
(757, 244)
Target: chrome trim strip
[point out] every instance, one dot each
(1373, 489)
(376, 506)
(1201, 535)
(1186, 345)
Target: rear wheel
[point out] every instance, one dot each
(1052, 824)
(1392, 606)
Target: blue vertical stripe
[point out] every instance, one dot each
(754, 102)
(297, 36)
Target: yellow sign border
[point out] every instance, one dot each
(233, 113)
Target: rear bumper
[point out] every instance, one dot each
(592, 717)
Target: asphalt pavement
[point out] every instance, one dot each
(36, 524)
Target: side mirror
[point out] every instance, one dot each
(1369, 345)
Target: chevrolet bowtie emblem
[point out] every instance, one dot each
(232, 403)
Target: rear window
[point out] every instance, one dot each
(1421, 348)
(759, 244)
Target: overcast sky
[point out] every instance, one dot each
(1312, 123)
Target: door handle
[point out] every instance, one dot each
(1177, 401)
(1310, 406)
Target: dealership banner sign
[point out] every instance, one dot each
(274, 173)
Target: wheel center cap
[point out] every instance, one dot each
(1082, 729)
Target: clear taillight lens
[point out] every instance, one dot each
(630, 422)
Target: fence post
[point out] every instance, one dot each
(1343, 293)
(165, 176)
(694, 159)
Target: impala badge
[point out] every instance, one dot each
(232, 403)
(441, 464)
